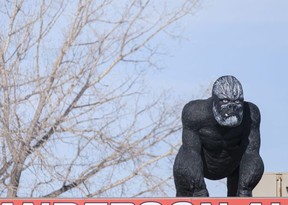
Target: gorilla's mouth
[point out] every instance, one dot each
(227, 115)
(231, 120)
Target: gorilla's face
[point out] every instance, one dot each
(228, 101)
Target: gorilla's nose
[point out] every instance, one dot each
(232, 107)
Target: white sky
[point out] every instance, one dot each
(245, 38)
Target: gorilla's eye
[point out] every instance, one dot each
(225, 100)
(237, 101)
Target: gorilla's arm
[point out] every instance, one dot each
(251, 165)
(188, 164)
(191, 122)
(254, 136)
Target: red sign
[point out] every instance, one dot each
(148, 201)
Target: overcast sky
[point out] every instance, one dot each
(247, 39)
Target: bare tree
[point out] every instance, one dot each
(75, 118)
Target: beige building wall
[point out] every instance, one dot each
(272, 185)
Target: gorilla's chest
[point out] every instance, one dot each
(222, 150)
(218, 138)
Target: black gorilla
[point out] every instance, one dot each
(221, 138)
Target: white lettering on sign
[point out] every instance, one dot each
(64, 203)
(182, 203)
(95, 203)
(121, 203)
(151, 203)
(34, 202)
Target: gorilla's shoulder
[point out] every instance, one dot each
(253, 111)
(196, 112)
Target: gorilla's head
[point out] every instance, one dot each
(228, 101)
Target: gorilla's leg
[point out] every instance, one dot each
(250, 173)
(232, 183)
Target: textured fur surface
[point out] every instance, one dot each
(228, 87)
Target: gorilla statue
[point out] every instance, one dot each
(220, 138)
